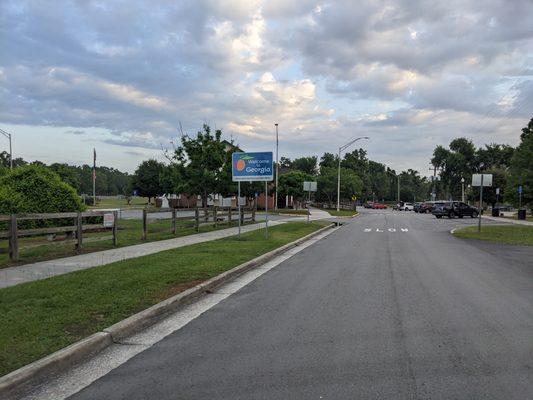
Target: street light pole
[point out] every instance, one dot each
(344, 147)
(277, 169)
(8, 135)
(463, 190)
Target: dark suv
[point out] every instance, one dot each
(453, 209)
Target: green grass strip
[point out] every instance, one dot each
(340, 213)
(41, 317)
(507, 234)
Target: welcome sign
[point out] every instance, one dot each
(252, 166)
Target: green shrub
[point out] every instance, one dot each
(35, 189)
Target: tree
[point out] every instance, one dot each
(329, 160)
(291, 184)
(305, 164)
(203, 165)
(521, 169)
(494, 156)
(351, 184)
(146, 179)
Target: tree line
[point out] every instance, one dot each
(510, 168)
(109, 181)
(201, 165)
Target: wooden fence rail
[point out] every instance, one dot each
(74, 233)
(219, 215)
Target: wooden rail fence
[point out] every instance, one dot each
(74, 232)
(211, 215)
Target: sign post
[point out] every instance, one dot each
(520, 197)
(310, 187)
(252, 167)
(481, 180)
(266, 209)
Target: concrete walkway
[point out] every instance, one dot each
(318, 214)
(45, 269)
(508, 220)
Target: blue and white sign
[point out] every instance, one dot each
(520, 189)
(252, 166)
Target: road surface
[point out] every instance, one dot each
(390, 306)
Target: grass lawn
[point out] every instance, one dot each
(111, 202)
(340, 213)
(129, 233)
(38, 318)
(508, 234)
(282, 211)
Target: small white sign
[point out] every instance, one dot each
(310, 186)
(487, 180)
(242, 201)
(109, 220)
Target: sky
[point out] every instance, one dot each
(129, 77)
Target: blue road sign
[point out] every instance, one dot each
(252, 166)
(520, 189)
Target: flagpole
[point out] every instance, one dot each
(94, 177)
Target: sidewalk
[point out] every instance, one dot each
(45, 269)
(508, 220)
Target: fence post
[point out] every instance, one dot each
(13, 239)
(173, 221)
(215, 218)
(206, 214)
(145, 227)
(115, 228)
(79, 232)
(229, 215)
(197, 219)
(254, 209)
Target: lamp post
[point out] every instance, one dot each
(277, 169)
(344, 147)
(463, 190)
(8, 135)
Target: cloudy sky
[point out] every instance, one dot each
(122, 76)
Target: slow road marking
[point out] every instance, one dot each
(391, 230)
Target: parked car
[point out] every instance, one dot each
(416, 207)
(406, 207)
(368, 204)
(452, 209)
(426, 207)
(378, 206)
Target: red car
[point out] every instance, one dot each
(378, 206)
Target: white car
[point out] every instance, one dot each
(407, 207)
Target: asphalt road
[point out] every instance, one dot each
(390, 306)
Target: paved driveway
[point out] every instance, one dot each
(390, 306)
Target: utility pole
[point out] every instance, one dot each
(434, 191)
(8, 135)
(398, 182)
(277, 169)
(463, 190)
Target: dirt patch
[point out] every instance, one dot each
(178, 288)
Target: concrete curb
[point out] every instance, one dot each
(17, 381)
(21, 379)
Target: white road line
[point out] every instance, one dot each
(86, 373)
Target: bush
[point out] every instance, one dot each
(34, 189)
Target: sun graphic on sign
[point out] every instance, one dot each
(241, 164)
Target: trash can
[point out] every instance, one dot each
(495, 212)
(522, 214)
